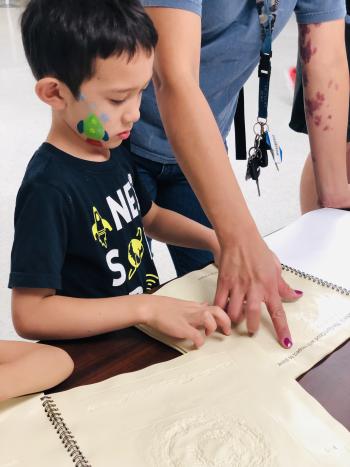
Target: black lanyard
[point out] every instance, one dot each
(258, 153)
(267, 17)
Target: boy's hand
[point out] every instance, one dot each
(184, 319)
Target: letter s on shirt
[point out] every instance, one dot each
(116, 267)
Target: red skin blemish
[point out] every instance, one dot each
(330, 83)
(317, 120)
(314, 104)
(306, 52)
(329, 117)
(305, 46)
(326, 128)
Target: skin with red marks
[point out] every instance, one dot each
(317, 120)
(305, 78)
(314, 104)
(305, 47)
(326, 128)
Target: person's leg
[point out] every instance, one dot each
(175, 193)
(169, 188)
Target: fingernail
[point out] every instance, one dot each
(299, 292)
(287, 343)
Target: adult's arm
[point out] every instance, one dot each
(247, 271)
(326, 95)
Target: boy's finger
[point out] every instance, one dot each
(209, 323)
(195, 336)
(222, 319)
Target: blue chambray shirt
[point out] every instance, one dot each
(230, 50)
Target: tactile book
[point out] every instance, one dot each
(234, 402)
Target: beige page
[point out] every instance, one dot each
(27, 438)
(203, 411)
(319, 322)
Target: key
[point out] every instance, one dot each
(264, 147)
(253, 168)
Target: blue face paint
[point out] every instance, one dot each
(104, 118)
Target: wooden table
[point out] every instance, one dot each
(101, 357)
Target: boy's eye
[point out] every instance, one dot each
(116, 102)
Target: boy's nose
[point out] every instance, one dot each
(132, 115)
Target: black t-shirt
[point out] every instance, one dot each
(78, 227)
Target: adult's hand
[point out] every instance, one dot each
(249, 274)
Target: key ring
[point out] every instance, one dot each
(264, 127)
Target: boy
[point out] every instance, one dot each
(80, 259)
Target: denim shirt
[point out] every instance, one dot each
(230, 50)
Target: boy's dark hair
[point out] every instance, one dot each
(63, 38)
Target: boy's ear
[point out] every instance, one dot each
(52, 92)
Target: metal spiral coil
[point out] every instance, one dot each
(316, 280)
(63, 432)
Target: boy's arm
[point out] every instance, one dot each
(326, 95)
(41, 314)
(173, 228)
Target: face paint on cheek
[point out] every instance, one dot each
(104, 117)
(93, 129)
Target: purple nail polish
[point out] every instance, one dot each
(299, 292)
(287, 343)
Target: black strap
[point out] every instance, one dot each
(240, 138)
(264, 73)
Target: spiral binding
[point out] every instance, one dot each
(63, 432)
(317, 280)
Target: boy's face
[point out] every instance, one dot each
(109, 102)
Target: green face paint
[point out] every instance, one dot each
(92, 128)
